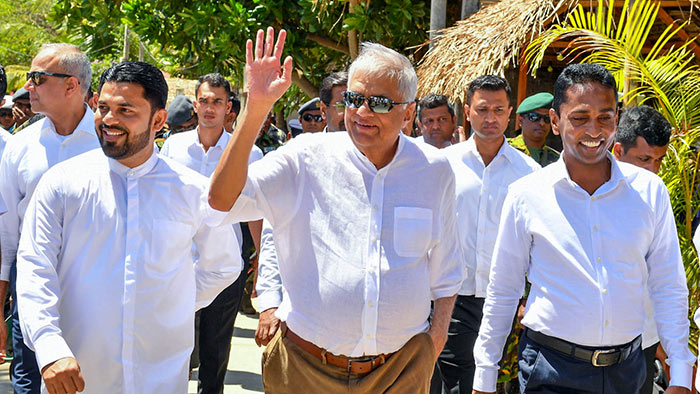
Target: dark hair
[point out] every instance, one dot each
(487, 82)
(155, 89)
(336, 79)
(579, 74)
(645, 122)
(3, 83)
(214, 80)
(235, 104)
(434, 100)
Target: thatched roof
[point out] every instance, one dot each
(488, 42)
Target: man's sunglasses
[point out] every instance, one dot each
(314, 118)
(37, 77)
(535, 117)
(377, 104)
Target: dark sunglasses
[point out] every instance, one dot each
(535, 117)
(377, 104)
(314, 118)
(37, 77)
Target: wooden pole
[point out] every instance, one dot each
(125, 53)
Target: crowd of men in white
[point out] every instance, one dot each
(371, 237)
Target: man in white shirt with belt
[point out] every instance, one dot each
(588, 231)
(484, 166)
(364, 226)
(57, 82)
(107, 283)
(200, 150)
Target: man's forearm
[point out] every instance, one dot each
(231, 172)
(3, 292)
(442, 312)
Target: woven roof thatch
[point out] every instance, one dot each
(486, 43)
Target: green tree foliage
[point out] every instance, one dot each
(23, 29)
(190, 38)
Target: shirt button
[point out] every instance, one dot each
(371, 303)
(592, 198)
(368, 336)
(605, 291)
(598, 259)
(131, 173)
(375, 207)
(371, 271)
(595, 229)
(374, 239)
(606, 323)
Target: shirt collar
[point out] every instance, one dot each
(505, 150)
(221, 143)
(560, 173)
(85, 126)
(137, 171)
(365, 161)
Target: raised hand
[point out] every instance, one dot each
(267, 79)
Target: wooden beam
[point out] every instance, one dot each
(522, 88)
(681, 33)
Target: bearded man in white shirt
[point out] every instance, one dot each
(57, 82)
(200, 150)
(369, 240)
(484, 166)
(107, 283)
(591, 233)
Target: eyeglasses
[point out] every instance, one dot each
(37, 77)
(377, 104)
(535, 117)
(314, 118)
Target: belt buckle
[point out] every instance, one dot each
(598, 353)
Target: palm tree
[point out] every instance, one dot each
(658, 74)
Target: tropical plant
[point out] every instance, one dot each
(655, 73)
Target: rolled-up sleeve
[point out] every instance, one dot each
(38, 285)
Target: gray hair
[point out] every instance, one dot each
(380, 61)
(72, 61)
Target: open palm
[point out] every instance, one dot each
(267, 79)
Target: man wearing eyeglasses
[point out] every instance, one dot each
(533, 115)
(57, 82)
(332, 105)
(371, 238)
(484, 166)
(310, 116)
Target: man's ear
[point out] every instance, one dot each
(466, 112)
(618, 151)
(159, 119)
(555, 121)
(324, 108)
(408, 115)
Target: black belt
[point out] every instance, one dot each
(598, 357)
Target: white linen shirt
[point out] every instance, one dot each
(27, 156)
(106, 274)
(4, 136)
(587, 258)
(269, 284)
(361, 251)
(480, 193)
(185, 148)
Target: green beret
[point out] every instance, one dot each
(539, 100)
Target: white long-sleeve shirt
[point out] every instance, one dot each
(185, 148)
(4, 136)
(269, 284)
(361, 251)
(27, 156)
(106, 272)
(587, 258)
(480, 193)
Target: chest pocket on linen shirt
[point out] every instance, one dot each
(170, 242)
(413, 229)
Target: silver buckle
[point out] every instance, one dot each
(598, 353)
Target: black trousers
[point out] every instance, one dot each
(649, 354)
(545, 371)
(454, 370)
(215, 331)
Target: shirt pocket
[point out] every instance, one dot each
(171, 241)
(413, 228)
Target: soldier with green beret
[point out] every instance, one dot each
(533, 115)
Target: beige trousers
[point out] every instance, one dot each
(287, 369)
